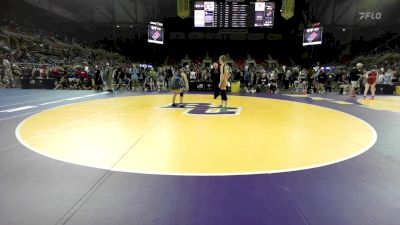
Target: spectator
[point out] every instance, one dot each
(148, 83)
(322, 79)
(98, 80)
(8, 80)
(286, 79)
(134, 71)
(273, 86)
(109, 73)
(388, 77)
(262, 83)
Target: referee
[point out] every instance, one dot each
(215, 77)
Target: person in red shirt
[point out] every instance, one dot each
(372, 77)
(82, 74)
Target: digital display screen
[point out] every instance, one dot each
(234, 14)
(155, 34)
(312, 36)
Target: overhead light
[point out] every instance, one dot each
(117, 26)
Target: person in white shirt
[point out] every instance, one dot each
(388, 77)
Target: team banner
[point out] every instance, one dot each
(183, 8)
(288, 8)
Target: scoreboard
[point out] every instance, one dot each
(234, 14)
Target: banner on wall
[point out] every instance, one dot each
(287, 9)
(183, 8)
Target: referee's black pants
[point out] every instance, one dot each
(216, 90)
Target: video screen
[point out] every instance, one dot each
(155, 34)
(312, 36)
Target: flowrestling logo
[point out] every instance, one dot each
(312, 37)
(370, 15)
(156, 35)
(207, 109)
(199, 5)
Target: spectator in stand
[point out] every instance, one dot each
(16, 74)
(71, 77)
(381, 74)
(169, 75)
(108, 76)
(330, 81)
(148, 83)
(44, 72)
(388, 77)
(273, 75)
(246, 78)
(193, 75)
(117, 78)
(281, 75)
(207, 76)
(153, 75)
(123, 80)
(7, 80)
(321, 79)
(134, 73)
(62, 84)
(294, 76)
(82, 74)
(76, 84)
(160, 83)
(98, 80)
(395, 78)
(262, 83)
(286, 79)
(87, 84)
(35, 73)
(310, 81)
(299, 81)
(273, 86)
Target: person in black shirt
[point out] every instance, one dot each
(330, 82)
(98, 80)
(262, 83)
(322, 78)
(355, 76)
(215, 77)
(169, 76)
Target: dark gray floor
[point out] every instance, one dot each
(37, 190)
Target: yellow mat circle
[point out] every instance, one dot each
(389, 103)
(137, 134)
